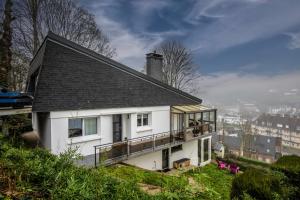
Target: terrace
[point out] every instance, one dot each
(187, 123)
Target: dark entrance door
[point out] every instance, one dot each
(117, 128)
(165, 159)
(199, 152)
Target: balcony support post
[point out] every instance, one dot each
(215, 120)
(202, 123)
(128, 148)
(96, 156)
(153, 142)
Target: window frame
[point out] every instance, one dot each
(83, 127)
(142, 119)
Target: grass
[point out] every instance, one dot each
(216, 182)
(207, 182)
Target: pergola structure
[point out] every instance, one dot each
(193, 116)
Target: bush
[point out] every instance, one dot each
(290, 166)
(36, 173)
(256, 183)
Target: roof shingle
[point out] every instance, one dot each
(73, 78)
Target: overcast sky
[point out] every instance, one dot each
(244, 49)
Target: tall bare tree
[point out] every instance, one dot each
(5, 44)
(178, 68)
(34, 18)
(63, 17)
(19, 70)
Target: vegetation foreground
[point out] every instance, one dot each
(27, 173)
(36, 174)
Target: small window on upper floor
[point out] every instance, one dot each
(268, 150)
(279, 126)
(268, 140)
(143, 119)
(82, 126)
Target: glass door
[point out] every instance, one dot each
(117, 128)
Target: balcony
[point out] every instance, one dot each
(115, 152)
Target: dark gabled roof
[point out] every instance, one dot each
(72, 77)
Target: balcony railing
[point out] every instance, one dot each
(114, 152)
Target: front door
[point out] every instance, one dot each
(117, 128)
(165, 159)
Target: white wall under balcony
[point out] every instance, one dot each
(58, 127)
(150, 161)
(189, 150)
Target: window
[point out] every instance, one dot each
(143, 119)
(268, 150)
(268, 140)
(287, 126)
(75, 127)
(82, 127)
(90, 126)
(176, 148)
(279, 125)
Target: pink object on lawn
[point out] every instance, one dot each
(222, 165)
(234, 169)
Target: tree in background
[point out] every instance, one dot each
(63, 17)
(5, 45)
(34, 18)
(178, 68)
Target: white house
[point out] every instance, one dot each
(112, 113)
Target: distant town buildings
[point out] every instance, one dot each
(258, 147)
(286, 127)
(283, 109)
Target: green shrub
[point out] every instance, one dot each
(290, 166)
(256, 183)
(36, 173)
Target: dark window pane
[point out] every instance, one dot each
(75, 127)
(176, 148)
(145, 119)
(139, 120)
(206, 148)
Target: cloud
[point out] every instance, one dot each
(294, 42)
(231, 88)
(242, 22)
(131, 46)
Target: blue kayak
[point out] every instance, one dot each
(14, 99)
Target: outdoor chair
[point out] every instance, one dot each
(233, 168)
(222, 165)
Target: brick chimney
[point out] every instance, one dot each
(154, 65)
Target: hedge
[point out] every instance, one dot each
(256, 183)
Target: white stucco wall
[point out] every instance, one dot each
(159, 122)
(150, 161)
(153, 161)
(42, 125)
(189, 150)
